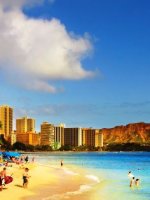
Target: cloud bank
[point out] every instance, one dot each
(35, 52)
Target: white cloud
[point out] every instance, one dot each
(14, 4)
(38, 50)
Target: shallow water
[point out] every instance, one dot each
(107, 169)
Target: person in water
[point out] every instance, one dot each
(130, 175)
(132, 181)
(26, 177)
(137, 182)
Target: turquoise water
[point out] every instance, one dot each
(109, 168)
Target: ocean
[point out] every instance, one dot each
(109, 169)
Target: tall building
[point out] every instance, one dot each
(6, 119)
(88, 137)
(24, 125)
(58, 136)
(98, 138)
(72, 136)
(25, 131)
(47, 134)
(12, 138)
(92, 137)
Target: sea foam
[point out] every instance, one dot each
(83, 188)
(67, 171)
(92, 177)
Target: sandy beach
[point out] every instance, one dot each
(50, 183)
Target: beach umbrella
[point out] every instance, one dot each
(10, 154)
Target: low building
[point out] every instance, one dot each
(28, 138)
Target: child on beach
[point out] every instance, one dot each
(26, 178)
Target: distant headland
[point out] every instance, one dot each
(130, 137)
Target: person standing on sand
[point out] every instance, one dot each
(26, 177)
(26, 159)
(2, 178)
(61, 163)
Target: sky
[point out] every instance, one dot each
(84, 63)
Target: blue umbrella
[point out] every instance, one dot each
(10, 154)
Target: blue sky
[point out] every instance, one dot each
(80, 62)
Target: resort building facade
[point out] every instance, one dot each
(6, 119)
(92, 137)
(58, 136)
(73, 136)
(47, 134)
(24, 125)
(25, 131)
(54, 136)
(28, 138)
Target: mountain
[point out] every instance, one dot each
(130, 133)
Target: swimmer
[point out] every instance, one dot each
(137, 182)
(130, 175)
(132, 181)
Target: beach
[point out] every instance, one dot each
(86, 176)
(48, 182)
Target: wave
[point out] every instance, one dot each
(67, 171)
(83, 188)
(92, 177)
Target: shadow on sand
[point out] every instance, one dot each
(17, 185)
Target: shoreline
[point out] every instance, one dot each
(48, 182)
(42, 152)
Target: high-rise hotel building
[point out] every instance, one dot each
(25, 131)
(73, 136)
(59, 136)
(92, 137)
(6, 119)
(24, 125)
(47, 134)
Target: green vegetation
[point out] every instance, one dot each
(5, 145)
(127, 147)
(79, 148)
(23, 147)
(1, 125)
